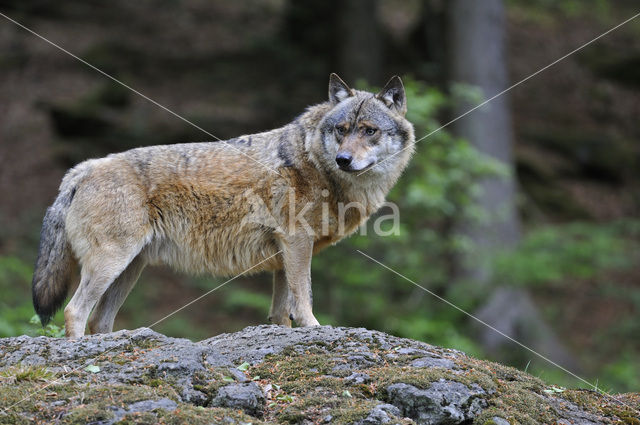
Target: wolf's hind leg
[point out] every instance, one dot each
(280, 305)
(104, 313)
(96, 276)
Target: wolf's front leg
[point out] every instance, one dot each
(297, 250)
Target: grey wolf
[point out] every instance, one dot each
(192, 206)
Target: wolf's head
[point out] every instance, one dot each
(365, 133)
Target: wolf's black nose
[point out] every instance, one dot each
(343, 159)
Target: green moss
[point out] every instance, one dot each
(138, 418)
(88, 414)
(80, 404)
(147, 344)
(309, 377)
(120, 359)
(418, 377)
(518, 405)
(196, 415)
(305, 366)
(291, 415)
(304, 388)
(314, 408)
(75, 403)
(623, 408)
(13, 418)
(154, 383)
(301, 386)
(210, 381)
(304, 377)
(511, 394)
(350, 411)
(19, 373)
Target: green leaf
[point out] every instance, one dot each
(244, 366)
(285, 397)
(53, 331)
(346, 393)
(228, 379)
(553, 389)
(92, 368)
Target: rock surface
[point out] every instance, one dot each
(271, 374)
(443, 402)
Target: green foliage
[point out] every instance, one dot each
(17, 316)
(623, 373)
(15, 303)
(52, 330)
(445, 170)
(242, 298)
(551, 254)
(553, 258)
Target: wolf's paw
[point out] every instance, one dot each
(280, 320)
(306, 321)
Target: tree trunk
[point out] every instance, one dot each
(477, 57)
(360, 47)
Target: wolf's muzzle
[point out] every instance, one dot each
(344, 159)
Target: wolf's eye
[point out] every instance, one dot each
(340, 130)
(369, 131)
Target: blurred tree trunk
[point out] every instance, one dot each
(477, 57)
(431, 33)
(359, 42)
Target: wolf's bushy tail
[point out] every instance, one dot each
(55, 263)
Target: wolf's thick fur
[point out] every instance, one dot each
(209, 207)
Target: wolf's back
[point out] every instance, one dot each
(55, 262)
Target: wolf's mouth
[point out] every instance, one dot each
(348, 168)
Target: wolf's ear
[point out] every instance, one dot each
(338, 89)
(393, 95)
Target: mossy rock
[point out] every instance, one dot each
(304, 375)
